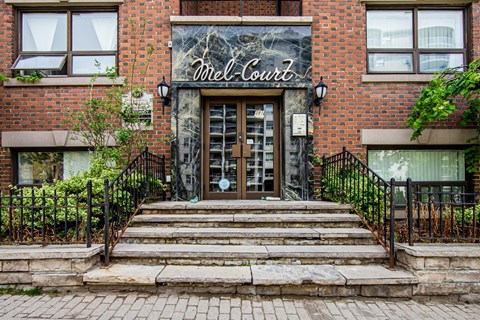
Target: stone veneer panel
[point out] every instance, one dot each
(273, 47)
(296, 149)
(186, 171)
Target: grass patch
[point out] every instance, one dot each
(31, 292)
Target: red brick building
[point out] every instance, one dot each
(242, 122)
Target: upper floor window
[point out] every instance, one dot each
(66, 42)
(415, 40)
(241, 7)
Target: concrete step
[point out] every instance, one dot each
(311, 280)
(244, 206)
(339, 220)
(196, 254)
(248, 236)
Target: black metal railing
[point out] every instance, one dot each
(43, 215)
(34, 215)
(143, 179)
(434, 211)
(345, 178)
(241, 7)
(440, 214)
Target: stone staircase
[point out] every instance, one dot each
(251, 247)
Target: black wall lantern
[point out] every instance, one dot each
(320, 92)
(163, 89)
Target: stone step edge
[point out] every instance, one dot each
(199, 251)
(246, 218)
(256, 275)
(246, 205)
(263, 233)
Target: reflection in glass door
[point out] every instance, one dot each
(222, 138)
(259, 135)
(242, 154)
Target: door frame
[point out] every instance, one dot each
(241, 192)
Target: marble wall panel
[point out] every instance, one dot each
(296, 184)
(279, 48)
(186, 145)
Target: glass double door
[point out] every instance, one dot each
(241, 154)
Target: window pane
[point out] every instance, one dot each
(75, 162)
(44, 32)
(420, 165)
(440, 29)
(25, 62)
(86, 64)
(390, 62)
(38, 167)
(439, 61)
(389, 29)
(95, 31)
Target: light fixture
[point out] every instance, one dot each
(163, 89)
(320, 92)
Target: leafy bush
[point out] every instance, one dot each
(359, 190)
(57, 208)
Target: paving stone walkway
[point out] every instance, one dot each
(144, 306)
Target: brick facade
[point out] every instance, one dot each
(338, 55)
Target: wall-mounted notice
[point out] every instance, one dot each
(299, 125)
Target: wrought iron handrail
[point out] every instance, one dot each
(241, 8)
(346, 178)
(30, 215)
(441, 215)
(435, 211)
(142, 179)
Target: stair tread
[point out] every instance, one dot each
(245, 205)
(242, 217)
(263, 275)
(247, 251)
(169, 232)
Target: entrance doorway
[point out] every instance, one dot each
(241, 148)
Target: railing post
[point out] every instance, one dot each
(147, 172)
(279, 8)
(344, 158)
(10, 217)
(409, 211)
(391, 259)
(322, 178)
(89, 213)
(241, 8)
(107, 224)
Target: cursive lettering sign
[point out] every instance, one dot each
(206, 72)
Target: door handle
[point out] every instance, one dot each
(246, 150)
(236, 150)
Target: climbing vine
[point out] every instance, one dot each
(449, 91)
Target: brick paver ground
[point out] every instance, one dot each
(144, 306)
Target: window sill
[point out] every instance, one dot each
(67, 81)
(375, 78)
(50, 2)
(246, 20)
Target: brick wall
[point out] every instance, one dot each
(339, 55)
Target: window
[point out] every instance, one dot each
(415, 40)
(67, 42)
(420, 165)
(440, 170)
(49, 166)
